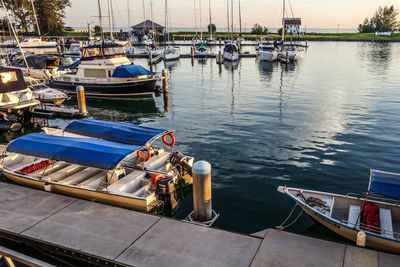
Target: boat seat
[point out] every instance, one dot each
(157, 161)
(128, 183)
(50, 169)
(65, 172)
(79, 176)
(354, 213)
(94, 181)
(385, 217)
(12, 160)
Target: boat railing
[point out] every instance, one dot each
(372, 229)
(374, 197)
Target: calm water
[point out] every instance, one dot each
(319, 124)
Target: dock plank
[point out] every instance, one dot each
(173, 243)
(93, 228)
(287, 249)
(360, 257)
(21, 207)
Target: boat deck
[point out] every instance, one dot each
(101, 234)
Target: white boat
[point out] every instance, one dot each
(105, 72)
(171, 53)
(37, 43)
(210, 40)
(15, 96)
(240, 40)
(9, 43)
(110, 162)
(146, 40)
(230, 53)
(196, 40)
(201, 50)
(291, 54)
(266, 51)
(371, 220)
(75, 48)
(45, 94)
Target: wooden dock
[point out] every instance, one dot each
(190, 56)
(103, 235)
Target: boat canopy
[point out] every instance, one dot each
(11, 79)
(230, 48)
(384, 183)
(88, 152)
(102, 51)
(71, 66)
(114, 131)
(126, 71)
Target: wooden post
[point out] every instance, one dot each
(219, 57)
(80, 95)
(150, 58)
(287, 57)
(192, 51)
(165, 80)
(202, 191)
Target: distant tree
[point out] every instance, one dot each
(257, 29)
(68, 29)
(97, 29)
(280, 31)
(366, 26)
(21, 10)
(4, 24)
(212, 28)
(265, 30)
(384, 20)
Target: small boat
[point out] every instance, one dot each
(290, 54)
(146, 40)
(196, 40)
(37, 43)
(211, 41)
(231, 53)
(40, 66)
(201, 50)
(372, 219)
(15, 96)
(266, 51)
(75, 48)
(105, 72)
(171, 53)
(110, 162)
(45, 94)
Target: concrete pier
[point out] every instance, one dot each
(105, 235)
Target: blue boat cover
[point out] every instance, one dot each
(126, 71)
(73, 65)
(385, 183)
(114, 131)
(88, 152)
(230, 48)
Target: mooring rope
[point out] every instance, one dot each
(282, 226)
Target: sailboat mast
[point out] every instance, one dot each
(129, 14)
(227, 15)
(283, 22)
(209, 12)
(36, 19)
(109, 20)
(195, 16)
(232, 21)
(144, 17)
(15, 34)
(151, 14)
(201, 29)
(240, 20)
(165, 26)
(100, 20)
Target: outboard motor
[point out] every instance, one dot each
(180, 161)
(165, 189)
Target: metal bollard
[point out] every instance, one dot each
(165, 80)
(80, 95)
(202, 191)
(150, 58)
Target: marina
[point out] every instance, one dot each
(145, 147)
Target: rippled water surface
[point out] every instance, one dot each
(320, 124)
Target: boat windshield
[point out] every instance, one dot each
(92, 52)
(267, 48)
(116, 50)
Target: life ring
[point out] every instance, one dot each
(173, 139)
(156, 177)
(144, 158)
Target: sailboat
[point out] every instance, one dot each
(240, 40)
(201, 49)
(37, 42)
(371, 219)
(231, 52)
(146, 39)
(210, 40)
(170, 53)
(287, 52)
(266, 50)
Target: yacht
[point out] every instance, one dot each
(105, 72)
(171, 53)
(266, 51)
(15, 96)
(45, 94)
(111, 162)
(231, 53)
(37, 43)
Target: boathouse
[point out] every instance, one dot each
(147, 27)
(292, 25)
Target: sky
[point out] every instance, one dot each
(181, 13)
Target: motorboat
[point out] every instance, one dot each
(371, 219)
(110, 162)
(196, 40)
(15, 96)
(10, 43)
(105, 72)
(40, 66)
(231, 53)
(37, 43)
(201, 50)
(45, 94)
(266, 51)
(240, 40)
(289, 53)
(146, 40)
(75, 48)
(211, 41)
(171, 53)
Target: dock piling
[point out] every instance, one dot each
(202, 191)
(150, 58)
(165, 81)
(219, 57)
(80, 95)
(192, 51)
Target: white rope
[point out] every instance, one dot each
(282, 226)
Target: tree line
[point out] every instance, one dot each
(384, 20)
(50, 15)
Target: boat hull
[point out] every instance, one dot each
(231, 57)
(141, 88)
(270, 57)
(111, 199)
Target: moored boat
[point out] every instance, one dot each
(266, 51)
(372, 219)
(37, 43)
(45, 94)
(110, 162)
(231, 53)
